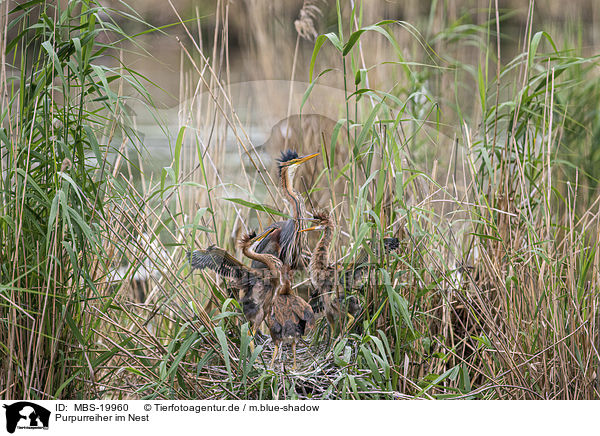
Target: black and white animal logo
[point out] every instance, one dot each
(26, 415)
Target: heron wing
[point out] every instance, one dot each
(223, 263)
(302, 310)
(287, 241)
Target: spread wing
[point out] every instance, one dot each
(223, 263)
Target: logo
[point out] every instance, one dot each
(26, 415)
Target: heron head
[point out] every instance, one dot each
(251, 237)
(321, 219)
(289, 161)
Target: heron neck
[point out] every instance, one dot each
(285, 286)
(320, 258)
(293, 196)
(267, 259)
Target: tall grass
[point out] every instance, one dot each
(63, 115)
(484, 170)
(50, 199)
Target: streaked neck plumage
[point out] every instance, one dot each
(272, 262)
(285, 284)
(319, 261)
(290, 194)
(298, 208)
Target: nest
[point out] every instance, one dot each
(316, 375)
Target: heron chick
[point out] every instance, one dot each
(323, 275)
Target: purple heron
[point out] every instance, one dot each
(285, 239)
(255, 285)
(288, 316)
(291, 317)
(323, 275)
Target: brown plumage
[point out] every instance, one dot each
(258, 301)
(291, 317)
(285, 239)
(255, 285)
(323, 275)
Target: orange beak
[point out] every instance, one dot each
(262, 235)
(303, 159)
(309, 229)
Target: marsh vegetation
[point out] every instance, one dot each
(468, 131)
